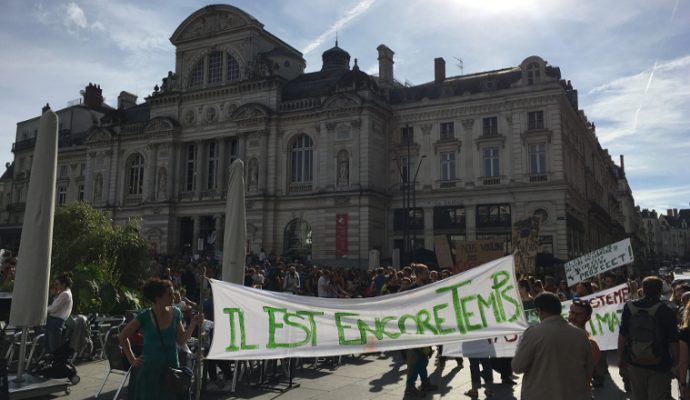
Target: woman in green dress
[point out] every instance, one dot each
(151, 365)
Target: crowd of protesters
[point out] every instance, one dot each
(537, 356)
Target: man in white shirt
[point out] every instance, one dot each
(58, 311)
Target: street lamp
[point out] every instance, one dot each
(414, 206)
(408, 190)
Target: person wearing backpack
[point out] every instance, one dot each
(648, 343)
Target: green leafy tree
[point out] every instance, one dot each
(108, 262)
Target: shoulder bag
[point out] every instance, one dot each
(176, 380)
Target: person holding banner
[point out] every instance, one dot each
(550, 372)
(418, 359)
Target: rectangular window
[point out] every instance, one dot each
(447, 130)
(493, 215)
(447, 165)
(215, 67)
(64, 171)
(452, 217)
(82, 169)
(407, 135)
(212, 165)
(62, 195)
(413, 219)
(190, 168)
(535, 119)
(537, 158)
(81, 192)
(490, 126)
(491, 162)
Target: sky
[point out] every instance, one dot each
(628, 59)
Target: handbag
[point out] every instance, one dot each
(175, 380)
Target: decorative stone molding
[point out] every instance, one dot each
(468, 123)
(426, 128)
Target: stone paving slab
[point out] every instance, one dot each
(362, 377)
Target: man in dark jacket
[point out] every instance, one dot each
(648, 343)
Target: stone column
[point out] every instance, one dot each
(429, 228)
(199, 169)
(195, 234)
(223, 164)
(150, 180)
(470, 222)
(219, 220)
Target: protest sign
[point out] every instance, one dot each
(443, 255)
(599, 261)
(469, 254)
(607, 307)
(257, 324)
(526, 244)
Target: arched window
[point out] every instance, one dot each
(233, 68)
(533, 74)
(197, 77)
(297, 239)
(301, 160)
(136, 175)
(215, 67)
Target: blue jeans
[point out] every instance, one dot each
(416, 366)
(486, 373)
(54, 327)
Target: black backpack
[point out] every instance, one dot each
(644, 335)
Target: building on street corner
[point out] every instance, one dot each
(338, 162)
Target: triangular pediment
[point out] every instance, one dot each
(342, 102)
(99, 135)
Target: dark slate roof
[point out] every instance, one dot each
(458, 85)
(313, 84)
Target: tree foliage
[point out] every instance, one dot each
(108, 262)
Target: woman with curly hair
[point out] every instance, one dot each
(162, 328)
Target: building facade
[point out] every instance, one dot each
(338, 162)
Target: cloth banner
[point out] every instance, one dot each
(607, 307)
(255, 324)
(599, 261)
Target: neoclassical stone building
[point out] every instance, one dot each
(338, 162)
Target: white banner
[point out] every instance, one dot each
(607, 307)
(599, 261)
(255, 324)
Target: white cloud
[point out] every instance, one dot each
(661, 199)
(75, 16)
(360, 8)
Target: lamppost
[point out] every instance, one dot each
(414, 207)
(408, 190)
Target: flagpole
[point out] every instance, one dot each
(200, 344)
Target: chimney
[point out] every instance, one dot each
(126, 100)
(385, 66)
(439, 69)
(675, 212)
(669, 212)
(93, 96)
(622, 164)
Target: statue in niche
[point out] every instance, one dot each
(162, 183)
(98, 188)
(343, 169)
(253, 174)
